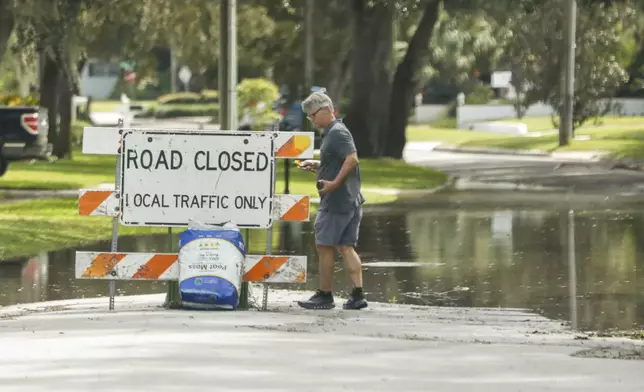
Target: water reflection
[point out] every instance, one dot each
(457, 256)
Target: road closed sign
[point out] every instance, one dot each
(169, 178)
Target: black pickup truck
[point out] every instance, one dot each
(23, 135)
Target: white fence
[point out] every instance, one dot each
(427, 113)
(472, 113)
(98, 79)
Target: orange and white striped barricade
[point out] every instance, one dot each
(169, 177)
(164, 266)
(102, 202)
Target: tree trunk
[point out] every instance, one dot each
(340, 77)
(63, 145)
(370, 74)
(404, 85)
(49, 95)
(6, 24)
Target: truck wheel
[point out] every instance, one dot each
(4, 165)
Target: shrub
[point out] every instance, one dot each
(265, 121)
(210, 96)
(181, 110)
(252, 91)
(16, 100)
(480, 95)
(206, 96)
(178, 98)
(255, 98)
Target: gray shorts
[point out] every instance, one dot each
(334, 228)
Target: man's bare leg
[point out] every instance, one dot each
(354, 269)
(326, 262)
(323, 298)
(353, 264)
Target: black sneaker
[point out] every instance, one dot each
(356, 301)
(320, 300)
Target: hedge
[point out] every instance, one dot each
(181, 110)
(206, 96)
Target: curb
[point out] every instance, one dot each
(30, 194)
(598, 156)
(492, 151)
(590, 156)
(411, 196)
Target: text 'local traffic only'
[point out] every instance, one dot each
(148, 200)
(171, 179)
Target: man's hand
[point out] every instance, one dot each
(325, 186)
(309, 165)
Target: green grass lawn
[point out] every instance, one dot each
(48, 224)
(620, 137)
(623, 142)
(419, 133)
(82, 171)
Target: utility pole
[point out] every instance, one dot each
(228, 65)
(572, 271)
(566, 120)
(228, 90)
(308, 46)
(308, 79)
(173, 66)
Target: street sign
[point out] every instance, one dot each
(169, 178)
(501, 79)
(130, 77)
(127, 65)
(185, 74)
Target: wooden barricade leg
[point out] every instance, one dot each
(244, 291)
(172, 296)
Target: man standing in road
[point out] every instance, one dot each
(338, 219)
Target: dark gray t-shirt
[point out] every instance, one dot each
(337, 144)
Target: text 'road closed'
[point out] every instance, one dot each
(238, 161)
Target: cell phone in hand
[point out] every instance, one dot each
(320, 185)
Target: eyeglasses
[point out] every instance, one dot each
(312, 115)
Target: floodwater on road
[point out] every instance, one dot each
(444, 254)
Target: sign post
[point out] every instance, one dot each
(172, 296)
(185, 75)
(115, 234)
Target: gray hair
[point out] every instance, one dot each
(315, 102)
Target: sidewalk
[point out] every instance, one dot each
(584, 156)
(79, 346)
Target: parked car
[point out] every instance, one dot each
(23, 135)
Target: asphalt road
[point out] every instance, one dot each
(79, 346)
(573, 171)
